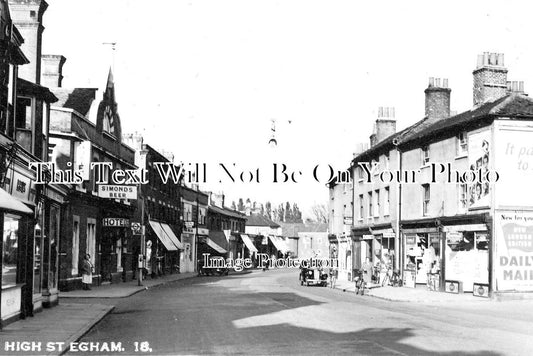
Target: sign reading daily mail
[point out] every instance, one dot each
(117, 191)
(514, 251)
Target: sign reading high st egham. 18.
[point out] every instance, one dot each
(117, 191)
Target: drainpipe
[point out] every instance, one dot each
(398, 244)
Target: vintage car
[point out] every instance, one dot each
(216, 266)
(313, 276)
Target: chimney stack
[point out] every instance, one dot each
(52, 70)
(27, 15)
(385, 125)
(490, 78)
(437, 99)
(515, 87)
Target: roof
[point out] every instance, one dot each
(227, 212)
(260, 220)
(29, 88)
(512, 105)
(292, 229)
(78, 99)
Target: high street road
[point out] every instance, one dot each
(270, 313)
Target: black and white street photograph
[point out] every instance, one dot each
(266, 177)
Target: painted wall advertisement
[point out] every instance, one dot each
(479, 159)
(514, 163)
(514, 251)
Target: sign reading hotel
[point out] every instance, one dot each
(115, 222)
(514, 251)
(117, 191)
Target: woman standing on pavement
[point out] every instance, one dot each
(87, 272)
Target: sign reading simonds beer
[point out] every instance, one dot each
(514, 262)
(117, 191)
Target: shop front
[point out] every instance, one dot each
(448, 254)
(187, 254)
(13, 216)
(164, 250)
(116, 263)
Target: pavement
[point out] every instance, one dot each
(420, 294)
(126, 289)
(75, 319)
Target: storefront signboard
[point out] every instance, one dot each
(115, 222)
(514, 251)
(410, 239)
(117, 191)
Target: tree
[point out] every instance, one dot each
(296, 214)
(268, 208)
(320, 213)
(288, 213)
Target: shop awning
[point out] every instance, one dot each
(278, 243)
(214, 245)
(248, 243)
(172, 236)
(7, 202)
(165, 240)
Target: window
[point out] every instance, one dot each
(202, 216)
(75, 244)
(361, 207)
(427, 195)
(463, 195)
(425, 155)
(386, 207)
(91, 239)
(370, 206)
(377, 204)
(462, 144)
(187, 212)
(10, 250)
(361, 172)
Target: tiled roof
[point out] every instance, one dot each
(513, 105)
(78, 99)
(29, 88)
(292, 229)
(260, 220)
(227, 212)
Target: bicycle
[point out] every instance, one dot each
(392, 279)
(360, 283)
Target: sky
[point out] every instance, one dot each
(204, 79)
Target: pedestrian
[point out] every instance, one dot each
(87, 272)
(367, 270)
(333, 277)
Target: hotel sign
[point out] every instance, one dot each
(115, 222)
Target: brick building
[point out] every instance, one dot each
(447, 232)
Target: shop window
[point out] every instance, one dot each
(54, 238)
(10, 248)
(462, 144)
